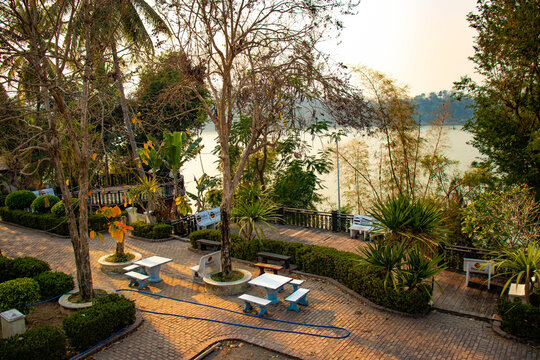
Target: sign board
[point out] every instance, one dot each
(49, 191)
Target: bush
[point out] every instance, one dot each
(40, 343)
(6, 269)
(341, 266)
(49, 222)
(151, 231)
(29, 267)
(18, 294)
(20, 199)
(519, 319)
(59, 210)
(87, 327)
(52, 284)
(44, 203)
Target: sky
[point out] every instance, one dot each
(424, 44)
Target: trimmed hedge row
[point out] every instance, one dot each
(151, 231)
(49, 222)
(20, 199)
(40, 343)
(519, 319)
(21, 267)
(89, 326)
(319, 260)
(18, 294)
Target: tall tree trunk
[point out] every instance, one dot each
(125, 111)
(225, 210)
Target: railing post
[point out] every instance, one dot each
(334, 221)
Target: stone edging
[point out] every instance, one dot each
(37, 230)
(496, 326)
(151, 240)
(129, 330)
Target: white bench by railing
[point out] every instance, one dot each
(208, 219)
(477, 266)
(363, 224)
(210, 263)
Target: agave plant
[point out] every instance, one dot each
(402, 219)
(384, 258)
(521, 264)
(253, 217)
(418, 268)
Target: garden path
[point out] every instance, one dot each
(374, 334)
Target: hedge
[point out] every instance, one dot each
(21, 267)
(519, 319)
(151, 231)
(18, 294)
(49, 222)
(59, 209)
(41, 343)
(319, 260)
(52, 284)
(89, 326)
(44, 203)
(20, 199)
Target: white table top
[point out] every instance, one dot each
(270, 281)
(153, 261)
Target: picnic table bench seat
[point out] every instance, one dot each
(136, 278)
(205, 244)
(297, 297)
(263, 266)
(284, 260)
(132, 267)
(250, 300)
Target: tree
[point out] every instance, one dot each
(506, 118)
(66, 78)
(260, 59)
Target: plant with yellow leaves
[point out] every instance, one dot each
(117, 229)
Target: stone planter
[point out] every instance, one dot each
(69, 307)
(111, 267)
(228, 288)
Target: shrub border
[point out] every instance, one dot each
(151, 240)
(496, 326)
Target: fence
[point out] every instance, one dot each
(330, 221)
(185, 225)
(112, 198)
(454, 255)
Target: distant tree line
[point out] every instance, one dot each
(428, 105)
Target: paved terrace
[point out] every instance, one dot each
(450, 295)
(374, 334)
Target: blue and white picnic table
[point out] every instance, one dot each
(152, 266)
(271, 283)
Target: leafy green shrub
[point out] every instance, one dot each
(18, 294)
(151, 231)
(342, 266)
(519, 319)
(59, 209)
(41, 343)
(6, 269)
(88, 327)
(52, 284)
(44, 203)
(20, 199)
(29, 267)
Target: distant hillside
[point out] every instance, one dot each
(427, 105)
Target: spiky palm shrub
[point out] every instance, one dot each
(418, 268)
(385, 259)
(411, 221)
(253, 217)
(521, 264)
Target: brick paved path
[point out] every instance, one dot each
(375, 334)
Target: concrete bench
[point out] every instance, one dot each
(209, 263)
(204, 244)
(263, 266)
(133, 267)
(284, 260)
(295, 284)
(516, 291)
(250, 300)
(136, 278)
(297, 297)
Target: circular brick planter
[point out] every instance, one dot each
(228, 288)
(111, 267)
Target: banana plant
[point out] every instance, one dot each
(151, 156)
(175, 155)
(203, 183)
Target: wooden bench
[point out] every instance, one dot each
(262, 266)
(208, 263)
(254, 300)
(263, 257)
(136, 278)
(203, 244)
(297, 297)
